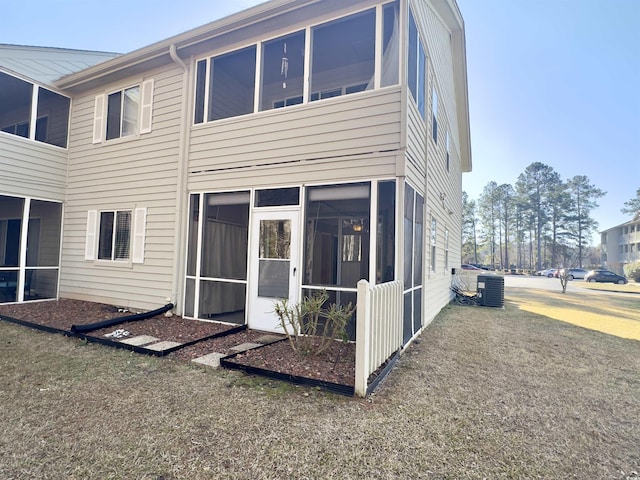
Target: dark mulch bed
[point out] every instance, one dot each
(335, 365)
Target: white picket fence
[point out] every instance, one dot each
(378, 328)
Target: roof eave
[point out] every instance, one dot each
(159, 52)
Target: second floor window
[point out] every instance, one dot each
(126, 113)
(122, 112)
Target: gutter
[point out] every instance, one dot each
(181, 184)
(217, 28)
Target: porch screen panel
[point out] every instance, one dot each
(225, 236)
(53, 118)
(11, 211)
(232, 85)
(15, 105)
(386, 254)
(337, 242)
(343, 56)
(390, 44)
(43, 250)
(283, 71)
(223, 262)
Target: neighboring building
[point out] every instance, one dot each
(621, 245)
(295, 146)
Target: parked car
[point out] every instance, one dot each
(604, 276)
(578, 273)
(466, 266)
(549, 272)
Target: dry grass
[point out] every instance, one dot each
(487, 393)
(631, 287)
(614, 315)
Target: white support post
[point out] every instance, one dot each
(363, 338)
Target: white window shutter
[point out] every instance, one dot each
(139, 229)
(90, 244)
(146, 116)
(98, 118)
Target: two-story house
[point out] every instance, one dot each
(295, 146)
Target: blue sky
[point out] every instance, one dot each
(555, 81)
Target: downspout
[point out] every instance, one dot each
(181, 187)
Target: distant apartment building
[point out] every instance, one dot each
(621, 245)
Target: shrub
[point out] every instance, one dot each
(309, 328)
(632, 270)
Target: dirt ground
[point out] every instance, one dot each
(336, 365)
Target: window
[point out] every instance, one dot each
(127, 112)
(120, 235)
(122, 113)
(434, 110)
(114, 236)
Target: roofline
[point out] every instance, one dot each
(191, 37)
(634, 219)
(451, 15)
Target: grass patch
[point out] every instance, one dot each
(613, 315)
(631, 287)
(487, 393)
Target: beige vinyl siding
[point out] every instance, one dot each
(32, 169)
(125, 174)
(439, 57)
(323, 133)
(426, 160)
(417, 141)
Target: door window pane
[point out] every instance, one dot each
(274, 252)
(275, 239)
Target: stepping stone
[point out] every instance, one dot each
(243, 347)
(140, 340)
(161, 346)
(210, 360)
(267, 339)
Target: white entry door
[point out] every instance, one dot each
(274, 266)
